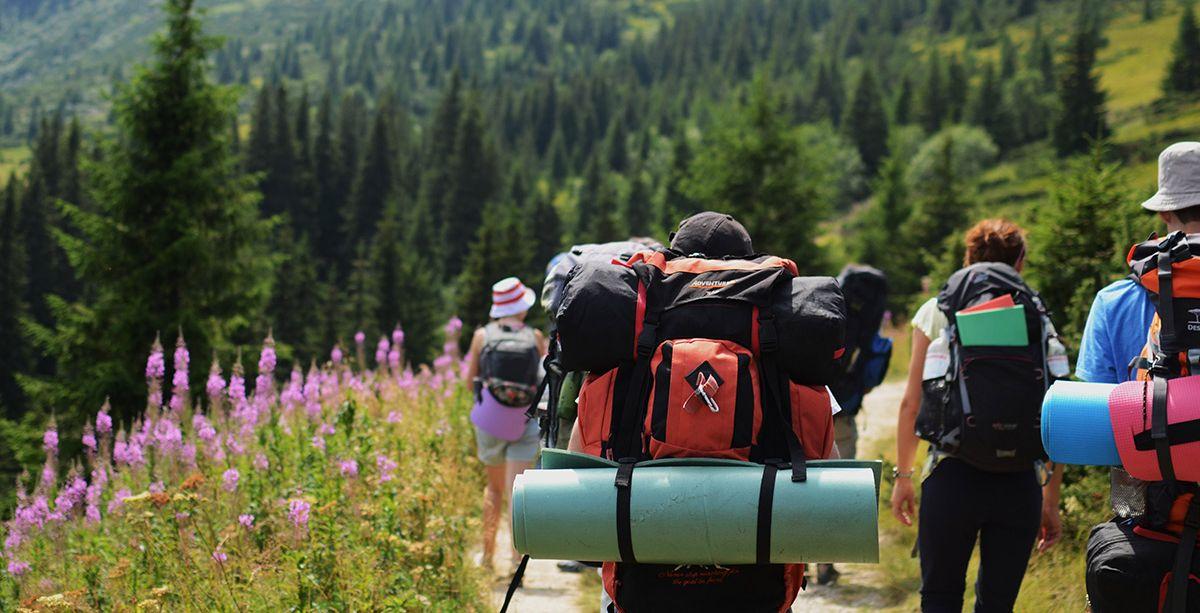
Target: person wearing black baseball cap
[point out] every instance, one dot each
(716, 235)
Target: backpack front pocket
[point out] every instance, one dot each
(705, 400)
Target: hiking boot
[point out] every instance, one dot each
(827, 575)
(570, 566)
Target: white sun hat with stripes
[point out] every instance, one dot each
(510, 297)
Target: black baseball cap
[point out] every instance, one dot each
(715, 235)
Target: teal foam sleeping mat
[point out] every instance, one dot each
(696, 511)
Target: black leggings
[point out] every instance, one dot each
(959, 502)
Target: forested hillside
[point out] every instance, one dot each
(399, 156)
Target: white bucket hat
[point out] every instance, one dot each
(510, 297)
(1178, 178)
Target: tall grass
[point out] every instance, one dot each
(350, 489)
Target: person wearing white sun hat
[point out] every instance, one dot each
(504, 364)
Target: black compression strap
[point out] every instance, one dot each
(1166, 295)
(1158, 429)
(775, 393)
(766, 503)
(515, 583)
(624, 483)
(1177, 591)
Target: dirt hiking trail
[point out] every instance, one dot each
(548, 590)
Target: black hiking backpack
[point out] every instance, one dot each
(508, 364)
(986, 409)
(867, 356)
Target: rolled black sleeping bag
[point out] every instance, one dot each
(597, 321)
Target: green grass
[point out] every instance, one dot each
(1133, 63)
(12, 159)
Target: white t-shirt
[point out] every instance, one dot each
(930, 320)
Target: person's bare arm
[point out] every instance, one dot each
(903, 494)
(473, 355)
(576, 442)
(542, 343)
(1051, 520)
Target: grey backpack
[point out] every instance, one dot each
(508, 364)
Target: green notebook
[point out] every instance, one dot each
(995, 328)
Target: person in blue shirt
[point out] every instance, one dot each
(1118, 324)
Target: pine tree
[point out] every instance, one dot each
(939, 212)
(677, 204)
(357, 306)
(867, 123)
(987, 109)
(175, 241)
(12, 282)
(941, 14)
(1041, 57)
(474, 181)
(637, 206)
(933, 109)
(585, 203)
(615, 147)
(500, 250)
(1183, 73)
(753, 168)
(957, 84)
(546, 229)
(327, 169)
(902, 108)
(296, 299)
(258, 147)
(280, 188)
(1008, 58)
(374, 185)
(440, 144)
(881, 239)
(1148, 10)
(406, 291)
(1082, 113)
(1073, 239)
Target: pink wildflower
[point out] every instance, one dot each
(398, 336)
(360, 337)
(155, 364)
(336, 355)
(318, 442)
(89, 438)
(219, 556)
(17, 568)
(118, 500)
(229, 480)
(50, 441)
(216, 383)
(348, 468)
(394, 417)
(103, 421)
(386, 468)
(298, 510)
(394, 359)
(246, 520)
(261, 463)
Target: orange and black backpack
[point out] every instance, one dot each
(693, 357)
(1149, 563)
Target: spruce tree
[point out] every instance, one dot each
(327, 169)
(933, 109)
(753, 168)
(677, 204)
(881, 242)
(296, 299)
(1072, 241)
(545, 226)
(957, 85)
(1081, 101)
(500, 250)
(12, 282)
(589, 194)
(175, 241)
(939, 212)
(866, 123)
(988, 111)
(902, 112)
(615, 147)
(374, 185)
(474, 181)
(1183, 73)
(406, 291)
(638, 207)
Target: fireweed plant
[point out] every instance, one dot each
(343, 488)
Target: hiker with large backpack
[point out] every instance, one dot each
(864, 365)
(558, 270)
(1144, 559)
(504, 364)
(984, 352)
(730, 353)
